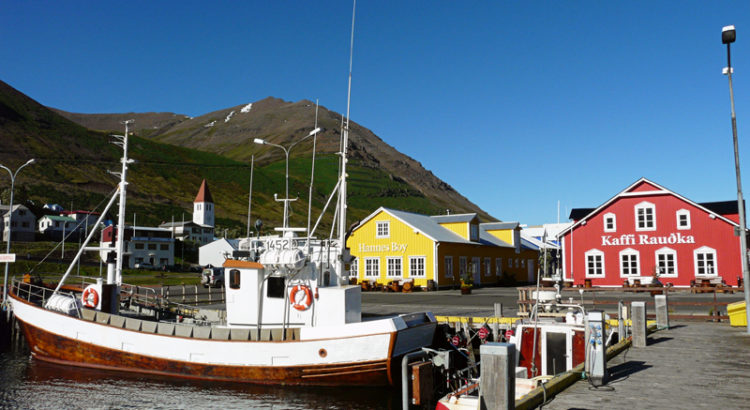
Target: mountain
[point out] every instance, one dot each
(230, 133)
(174, 154)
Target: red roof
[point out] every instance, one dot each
(204, 195)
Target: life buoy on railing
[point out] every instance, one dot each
(90, 298)
(301, 297)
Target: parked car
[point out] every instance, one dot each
(144, 265)
(212, 277)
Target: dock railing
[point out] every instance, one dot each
(607, 299)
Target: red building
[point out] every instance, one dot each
(647, 229)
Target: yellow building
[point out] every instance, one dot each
(392, 245)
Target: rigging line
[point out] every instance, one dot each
(58, 244)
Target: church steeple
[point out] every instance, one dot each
(203, 206)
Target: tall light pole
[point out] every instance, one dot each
(10, 220)
(728, 35)
(286, 153)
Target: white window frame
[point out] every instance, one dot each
(383, 229)
(680, 213)
(594, 253)
(645, 205)
(666, 251)
(630, 252)
(705, 250)
(417, 271)
(371, 263)
(487, 266)
(390, 262)
(354, 267)
(614, 222)
(499, 266)
(448, 263)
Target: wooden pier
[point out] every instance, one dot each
(689, 366)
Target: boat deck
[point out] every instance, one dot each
(689, 366)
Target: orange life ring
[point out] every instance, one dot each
(90, 298)
(301, 304)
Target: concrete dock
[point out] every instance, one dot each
(692, 365)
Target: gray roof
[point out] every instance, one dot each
(499, 225)
(454, 218)
(176, 224)
(428, 226)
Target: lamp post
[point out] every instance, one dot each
(286, 153)
(10, 220)
(728, 35)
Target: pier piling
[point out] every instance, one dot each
(498, 381)
(638, 312)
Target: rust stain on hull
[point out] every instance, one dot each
(53, 348)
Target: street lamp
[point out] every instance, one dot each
(728, 35)
(10, 220)
(286, 153)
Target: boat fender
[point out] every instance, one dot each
(316, 294)
(90, 297)
(301, 303)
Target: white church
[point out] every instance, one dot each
(201, 228)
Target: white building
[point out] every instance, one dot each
(142, 245)
(23, 223)
(54, 227)
(216, 252)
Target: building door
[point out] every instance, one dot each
(476, 271)
(530, 266)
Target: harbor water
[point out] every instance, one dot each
(28, 383)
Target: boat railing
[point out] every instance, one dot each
(38, 294)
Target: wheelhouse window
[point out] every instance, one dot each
(393, 267)
(594, 263)
(666, 262)
(645, 219)
(629, 265)
(705, 261)
(234, 279)
(275, 287)
(610, 224)
(372, 267)
(448, 266)
(383, 229)
(416, 266)
(683, 219)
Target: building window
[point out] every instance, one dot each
(474, 232)
(138, 245)
(705, 261)
(25, 224)
(523, 263)
(499, 266)
(383, 229)
(164, 247)
(629, 263)
(666, 262)
(393, 267)
(610, 224)
(487, 266)
(475, 268)
(462, 266)
(416, 266)
(354, 267)
(163, 261)
(372, 267)
(152, 246)
(645, 217)
(683, 219)
(594, 263)
(510, 262)
(516, 262)
(448, 266)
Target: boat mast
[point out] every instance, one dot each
(344, 145)
(121, 211)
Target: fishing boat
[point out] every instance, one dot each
(291, 315)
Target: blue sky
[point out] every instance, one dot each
(517, 105)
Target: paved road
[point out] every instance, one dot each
(693, 365)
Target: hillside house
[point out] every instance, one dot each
(22, 223)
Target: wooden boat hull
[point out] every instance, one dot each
(58, 338)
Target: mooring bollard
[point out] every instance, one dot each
(498, 381)
(638, 313)
(662, 312)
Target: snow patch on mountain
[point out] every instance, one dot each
(246, 108)
(229, 116)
